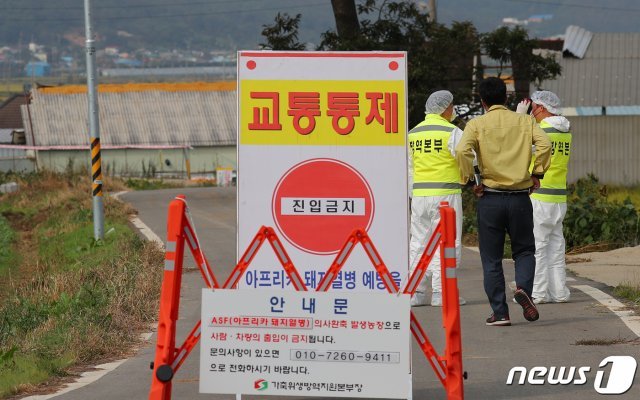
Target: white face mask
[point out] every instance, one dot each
(454, 115)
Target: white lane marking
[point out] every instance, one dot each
(84, 379)
(627, 316)
(118, 194)
(147, 232)
(141, 226)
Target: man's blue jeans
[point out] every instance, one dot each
(500, 213)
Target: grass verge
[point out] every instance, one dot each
(628, 292)
(7, 237)
(155, 184)
(71, 300)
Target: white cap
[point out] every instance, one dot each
(548, 100)
(438, 102)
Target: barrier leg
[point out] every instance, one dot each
(450, 305)
(189, 343)
(245, 260)
(169, 303)
(421, 267)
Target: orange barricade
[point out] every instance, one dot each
(448, 368)
(168, 358)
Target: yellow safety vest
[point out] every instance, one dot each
(553, 188)
(435, 171)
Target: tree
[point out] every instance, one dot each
(346, 17)
(513, 46)
(438, 57)
(283, 34)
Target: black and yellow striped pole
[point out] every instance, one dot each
(94, 128)
(96, 167)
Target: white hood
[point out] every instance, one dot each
(559, 122)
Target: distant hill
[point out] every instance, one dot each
(168, 24)
(236, 24)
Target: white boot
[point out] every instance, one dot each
(418, 299)
(436, 300)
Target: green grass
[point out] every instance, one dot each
(151, 184)
(7, 237)
(628, 292)
(620, 193)
(73, 300)
(154, 184)
(18, 369)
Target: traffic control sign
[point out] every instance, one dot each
(322, 150)
(318, 202)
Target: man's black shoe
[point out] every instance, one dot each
(529, 309)
(498, 321)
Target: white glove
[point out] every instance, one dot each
(523, 106)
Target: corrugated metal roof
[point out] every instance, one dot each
(576, 41)
(10, 112)
(197, 118)
(609, 74)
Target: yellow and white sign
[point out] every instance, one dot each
(321, 152)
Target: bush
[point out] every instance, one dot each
(469, 220)
(593, 219)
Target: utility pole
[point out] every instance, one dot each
(94, 127)
(433, 12)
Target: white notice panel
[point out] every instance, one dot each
(286, 343)
(322, 151)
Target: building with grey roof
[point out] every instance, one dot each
(600, 92)
(157, 132)
(12, 157)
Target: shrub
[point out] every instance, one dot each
(592, 219)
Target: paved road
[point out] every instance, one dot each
(488, 352)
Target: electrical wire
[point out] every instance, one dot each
(196, 14)
(555, 3)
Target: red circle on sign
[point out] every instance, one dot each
(393, 65)
(319, 202)
(251, 64)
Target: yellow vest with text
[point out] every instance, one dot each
(435, 171)
(553, 188)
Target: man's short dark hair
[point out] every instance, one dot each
(493, 91)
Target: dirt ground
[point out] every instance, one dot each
(615, 267)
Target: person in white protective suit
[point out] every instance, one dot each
(433, 177)
(550, 201)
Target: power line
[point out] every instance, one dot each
(153, 5)
(200, 14)
(552, 3)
